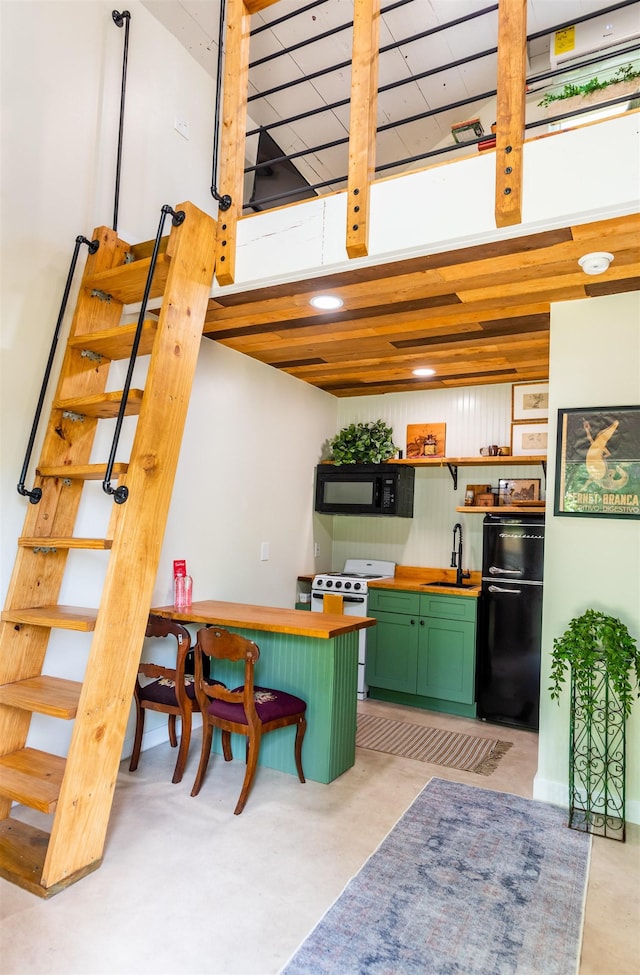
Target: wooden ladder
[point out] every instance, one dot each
(78, 790)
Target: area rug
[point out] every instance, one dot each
(468, 882)
(466, 752)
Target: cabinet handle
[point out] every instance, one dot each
(421, 622)
(413, 622)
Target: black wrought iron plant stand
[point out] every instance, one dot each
(597, 758)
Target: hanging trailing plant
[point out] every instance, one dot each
(592, 641)
(363, 443)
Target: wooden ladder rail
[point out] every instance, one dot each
(78, 790)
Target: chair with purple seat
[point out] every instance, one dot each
(247, 710)
(171, 691)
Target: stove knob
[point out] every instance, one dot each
(357, 585)
(319, 583)
(329, 583)
(347, 585)
(338, 584)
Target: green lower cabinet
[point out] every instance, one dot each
(446, 660)
(424, 654)
(392, 652)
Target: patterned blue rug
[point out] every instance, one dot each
(468, 882)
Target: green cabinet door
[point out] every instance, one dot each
(446, 660)
(392, 652)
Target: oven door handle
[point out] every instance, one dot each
(347, 599)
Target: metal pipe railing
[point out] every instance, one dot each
(121, 20)
(224, 201)
(121, 493)
(36, 493)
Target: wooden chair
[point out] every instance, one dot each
(171, 691)
(247, 710)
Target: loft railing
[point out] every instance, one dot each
(477, 103)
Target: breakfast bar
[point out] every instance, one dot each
(313, 655)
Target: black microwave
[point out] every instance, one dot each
(365, 489)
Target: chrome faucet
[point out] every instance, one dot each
(456, 557)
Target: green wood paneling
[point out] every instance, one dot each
(324, 674)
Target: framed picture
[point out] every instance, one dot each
(529, 402)
(426, 440)
(598, 462)
(529, 439)
(523, 490)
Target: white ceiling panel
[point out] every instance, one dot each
(195, 24)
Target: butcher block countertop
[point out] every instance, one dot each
(272, 619)
(412, 578)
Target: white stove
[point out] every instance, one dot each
(353, 585)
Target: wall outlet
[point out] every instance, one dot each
(264, 552)
(316, 550)
(182, 126)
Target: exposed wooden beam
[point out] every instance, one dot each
(362, 123)
(510, 110)
(234, 124)
(255, 6)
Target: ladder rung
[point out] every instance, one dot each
(104, 406)
(32, 777)
(45, 541)
(82, 472)
(58, 617)
(116, 343)
(145, 248)
(126, 283)
(55, 696)
(23, 849)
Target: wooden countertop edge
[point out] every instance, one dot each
(413, 578)
(270, 619)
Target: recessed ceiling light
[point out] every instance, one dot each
(326, 302)
(596, 263)
(424, 372)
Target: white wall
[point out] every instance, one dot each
(253, 435)
(474, 417)
(589, 562)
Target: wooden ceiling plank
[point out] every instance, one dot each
(232, 140)
(526, 267)
(362, 124)
(510, 110)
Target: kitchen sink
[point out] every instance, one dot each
(449, 585)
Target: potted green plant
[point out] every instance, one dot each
(363, 443)
(603, 658)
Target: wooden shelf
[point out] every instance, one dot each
(469, 461)
(453, 463)
(503, 509)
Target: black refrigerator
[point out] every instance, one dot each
(508, 665)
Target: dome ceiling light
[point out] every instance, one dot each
(596, 263)
(424, 371)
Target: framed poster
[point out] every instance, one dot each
(518, 490)
(598, 462)
(529, 402)
(529, 439)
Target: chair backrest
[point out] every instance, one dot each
(157, 626)
(214, 642)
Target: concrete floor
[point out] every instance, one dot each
(187, 887)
